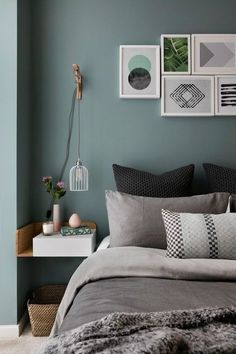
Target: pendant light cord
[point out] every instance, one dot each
(70, 127)
(78, 112)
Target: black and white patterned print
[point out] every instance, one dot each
(187, 95)
(172, 221)
(212, 236)
(228, 94)
(192, 235)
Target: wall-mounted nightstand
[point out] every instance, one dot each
(56, 245)
(64, 246)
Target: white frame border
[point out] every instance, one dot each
(176, 73)
(158, 93)
(217, 113)
(210, 37)
(188, 77)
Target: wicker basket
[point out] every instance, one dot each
(42, 308)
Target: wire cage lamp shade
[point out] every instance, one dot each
(78, 177)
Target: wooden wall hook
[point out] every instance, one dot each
(78, 81)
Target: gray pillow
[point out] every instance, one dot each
(137, 221)
(200, 235)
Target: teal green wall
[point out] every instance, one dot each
(24, 127)
(8, 131)
(129, 132)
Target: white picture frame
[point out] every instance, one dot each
(213, 54)
(163, 57)
(187, 96)
(143, 81)
(225, 97)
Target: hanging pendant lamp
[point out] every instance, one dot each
(78, 173)
(78, 177)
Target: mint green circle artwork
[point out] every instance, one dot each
(139, 61)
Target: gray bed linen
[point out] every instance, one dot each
(98, 299)
(123, 262)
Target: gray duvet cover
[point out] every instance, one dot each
(135, 279)
(98, 299)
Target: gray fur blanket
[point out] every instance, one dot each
(204, 331)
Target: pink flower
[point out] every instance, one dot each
(56, 190)
(46, 179)
(61, 184)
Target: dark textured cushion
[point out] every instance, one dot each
(176, 183)
(220, 179)
(137, 221)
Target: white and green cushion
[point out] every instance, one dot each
(200, 235)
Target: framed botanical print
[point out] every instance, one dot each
(175, 54)
(225, 95)
(187, 96)
(139, 71)
(213, 54)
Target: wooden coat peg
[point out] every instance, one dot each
(78, 81)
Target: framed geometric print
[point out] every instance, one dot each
(213, 54)
(225, 95)
(175, 54)
(187, 96)
(139, 71)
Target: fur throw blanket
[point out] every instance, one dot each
(205, 331)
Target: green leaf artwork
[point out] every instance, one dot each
(176, 54)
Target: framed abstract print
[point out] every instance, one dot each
(213, 54)
(187, 96)
(175, 54)
(139, 71)
(225, 95)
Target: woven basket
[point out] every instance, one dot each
(42, 308)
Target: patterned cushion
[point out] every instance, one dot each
(220, 179)
(176, 183)
(200, 235)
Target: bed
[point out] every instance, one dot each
(115, 284)
(132, 298)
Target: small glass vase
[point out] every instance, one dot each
(56, 218)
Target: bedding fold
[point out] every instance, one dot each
(141, 262)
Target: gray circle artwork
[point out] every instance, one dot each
(139, 77)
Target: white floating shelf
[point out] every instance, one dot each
(64, 246)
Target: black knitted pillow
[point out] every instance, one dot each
(176, 183)
(220, 179)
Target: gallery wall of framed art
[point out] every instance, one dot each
(193, 74)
